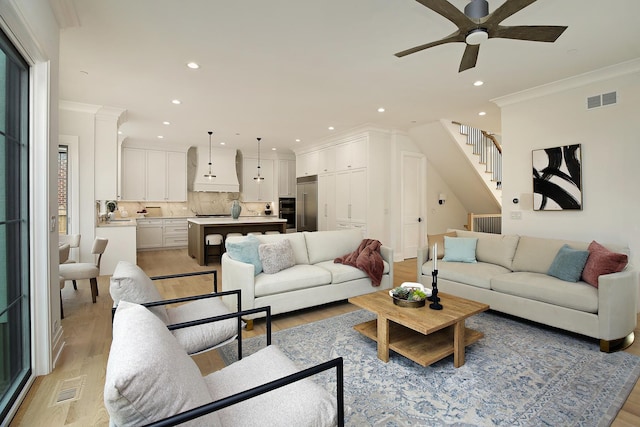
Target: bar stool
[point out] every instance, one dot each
(272, 232)
(212, 241)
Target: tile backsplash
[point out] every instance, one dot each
(197, 203)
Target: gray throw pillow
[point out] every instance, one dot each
(276, 256)
(568, 264)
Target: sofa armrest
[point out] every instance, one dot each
(387, 255)
(423, 254)
(238, 275)
(617, 304)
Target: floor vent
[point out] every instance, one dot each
(603, 100)
(68, 390)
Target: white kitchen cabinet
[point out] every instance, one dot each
(252, 190)
(351, 155)
(351, 197)
(307, 164)
(154, 175)
(326, 202)
(175, 233)
(149, 233)
(286, 178)
(327, 160)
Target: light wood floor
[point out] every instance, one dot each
(87, 331)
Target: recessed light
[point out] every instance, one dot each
(166, 123)
(193, 65)
(381, 110)
(119, 132)
(331, 128)
(223, 143)
(176, 101)
(297, 139)
(160, 137)
(482, 113)
(478, 83)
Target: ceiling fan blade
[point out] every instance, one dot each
(469, 58)
(452, 38)
(508, 8)
(447, 10)
(536, 33)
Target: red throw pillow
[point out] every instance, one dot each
(602, 261)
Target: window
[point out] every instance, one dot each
(15, 334)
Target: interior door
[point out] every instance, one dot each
(413, 224)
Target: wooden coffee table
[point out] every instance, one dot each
(420, 334)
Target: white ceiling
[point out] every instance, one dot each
(288, 69)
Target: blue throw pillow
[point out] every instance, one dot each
(460, 249)
(568, 264)
(246, 250)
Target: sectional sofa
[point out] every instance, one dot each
(308, 277)
(511, 273)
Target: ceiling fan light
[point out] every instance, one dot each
(477, 36)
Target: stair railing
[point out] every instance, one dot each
(487, 147)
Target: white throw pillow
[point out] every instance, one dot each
(276, 256)
(130, 283)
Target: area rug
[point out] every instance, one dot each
(519, 374)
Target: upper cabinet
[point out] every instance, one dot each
(286, 178)
(307, 164)
(257, 191)
(351, 155)
(107, 121)
(327, 160)
(154, 175)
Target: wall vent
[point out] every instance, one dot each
(603, 100)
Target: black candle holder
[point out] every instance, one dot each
(434, 298)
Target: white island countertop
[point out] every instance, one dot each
(241, 220)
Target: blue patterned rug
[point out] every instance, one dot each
(517, 375)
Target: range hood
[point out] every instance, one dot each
(223, 166)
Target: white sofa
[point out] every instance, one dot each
(511, 276)
(314, 279)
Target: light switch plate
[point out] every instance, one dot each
(516, 215)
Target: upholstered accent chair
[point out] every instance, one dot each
(86, 270)
(130, 283)
(150, 380)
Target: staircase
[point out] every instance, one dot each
(488, 150)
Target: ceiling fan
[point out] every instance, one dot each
(476, 25)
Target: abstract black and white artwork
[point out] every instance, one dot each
(557, 178)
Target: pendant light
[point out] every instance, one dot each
(209, 175)
(258, 178)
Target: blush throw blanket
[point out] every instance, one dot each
(366, 258)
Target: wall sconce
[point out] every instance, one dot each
(442, 198)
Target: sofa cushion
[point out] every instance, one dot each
(438, 239)
(493, 248)
(329, 245)
(245, 249)
(276, 256)
(298, 244)
(478, 274)
(535, 254)
(460, 249)
(149, 376)
(602, 261)
(341, 273)
(297, 277)
(130, 283)
(568, 264)
(301, 404)
(202, 337)
(541, 287)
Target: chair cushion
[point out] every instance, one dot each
(149, 376)
(276, 256)
(79, 271)
(301, 404)
(130, 283)
(202, 337)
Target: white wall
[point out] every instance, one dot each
(556, 115)
(451, 214)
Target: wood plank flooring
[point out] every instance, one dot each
(87, 331)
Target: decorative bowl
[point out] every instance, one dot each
(410, 303)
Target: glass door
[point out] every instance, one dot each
(15, 326)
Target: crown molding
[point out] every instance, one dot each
(601, 74)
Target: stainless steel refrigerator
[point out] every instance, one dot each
(307, 204)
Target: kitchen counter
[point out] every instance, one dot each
(120, 222)
(202, 226)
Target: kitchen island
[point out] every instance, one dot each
(200, 227)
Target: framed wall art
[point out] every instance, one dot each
(557, 178)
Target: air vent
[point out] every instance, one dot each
(603, 100)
